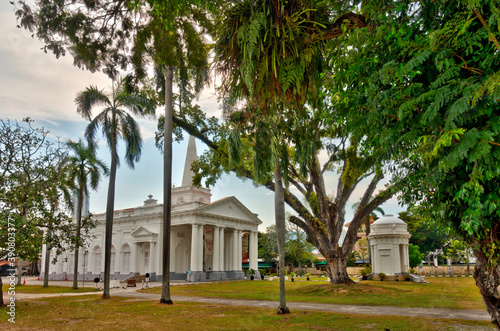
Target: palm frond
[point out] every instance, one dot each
(137, 104)
(133, 139)
(88, 99)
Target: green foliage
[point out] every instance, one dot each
(268, 245)
(456, 250)
(298, 250)
(269, 51)
(351, 261)
(113, 119)
(421, 89)
(33, 191)
(415, 256)
(366, 271)
(427, 235)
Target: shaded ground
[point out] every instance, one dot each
(131, 292)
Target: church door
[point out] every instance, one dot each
(181, 259)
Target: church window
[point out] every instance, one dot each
(126, 258)
(97, 259)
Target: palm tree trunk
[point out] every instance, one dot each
(167, 186)
(279, 211)
(47, 256)
(78, 226)
(110, 205)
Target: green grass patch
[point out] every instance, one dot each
(95, 313)
(35, 289)
(452, 293)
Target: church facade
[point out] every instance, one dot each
(209, 240)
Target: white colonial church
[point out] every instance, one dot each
(209, 240)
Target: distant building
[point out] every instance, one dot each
(208, 239)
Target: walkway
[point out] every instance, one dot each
(131, 292)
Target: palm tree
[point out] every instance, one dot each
(57, 189)
(373, 215)
(85, 169)
(116, 123)
(179, 49)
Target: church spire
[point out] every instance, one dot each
(191, 156)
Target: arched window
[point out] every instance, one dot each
(125, 258)
(97, 259)
(112, 260)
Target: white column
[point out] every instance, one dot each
(240, 249)
(133, 257)
(407, 258)
(215, 256)
(395, 257)
(221, 249)
(201, 245)
(194, 247)
(152, 254)
(253, 251)
(236, 250)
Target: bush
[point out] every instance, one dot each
(382, 276)
(415, 255)
(366, 271)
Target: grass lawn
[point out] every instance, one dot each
(50, 289)
(95, 313)
(453, 293)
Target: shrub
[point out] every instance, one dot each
(382, 276)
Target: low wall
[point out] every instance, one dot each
(457, 270)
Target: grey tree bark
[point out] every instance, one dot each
(279, 210)
(78, 227)
(47, 257)
(110, 206)
(167, 185)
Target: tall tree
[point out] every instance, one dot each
(427, 82)
(98, 34)
(32, 173)
(174, 40)
(57, 196)
(85, 169)
(115, 123)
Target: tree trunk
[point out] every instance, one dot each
(78, 226)
(110, 205)
(19, 271)
(337, 270)
(279, 211)
(488, 280)
(167, 185)
(47, 256)
(367, 230)
(1, 293)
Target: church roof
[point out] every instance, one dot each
(229, 207)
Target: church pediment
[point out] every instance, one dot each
(143, 234)
(230, 207)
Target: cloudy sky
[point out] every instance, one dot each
(37, 85)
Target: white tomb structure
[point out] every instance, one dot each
(209, 240)
(389, 240)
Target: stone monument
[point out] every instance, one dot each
(389, 240)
